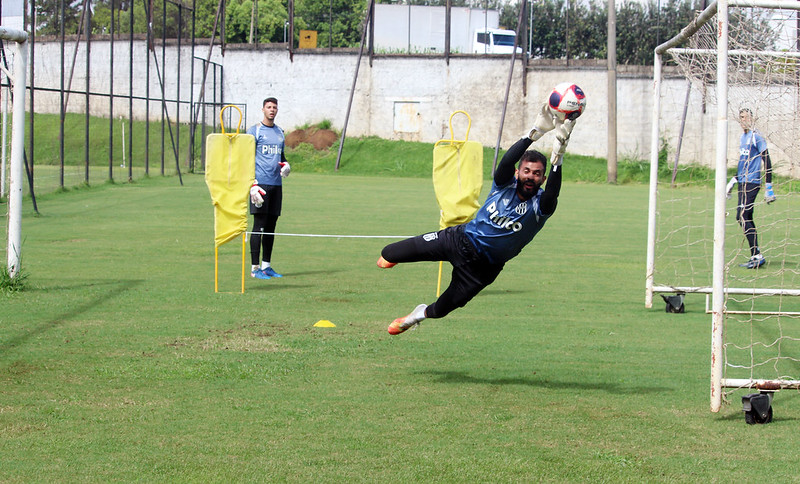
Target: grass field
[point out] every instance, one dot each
(120, 363)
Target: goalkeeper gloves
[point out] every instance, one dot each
(285, 169)
(545, 121)
(563, 131)
(257, 195)
(729, 188)
(770, 195)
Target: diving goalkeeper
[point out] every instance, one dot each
(514, 212)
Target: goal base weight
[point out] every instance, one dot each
(674, 303)
(757, 408)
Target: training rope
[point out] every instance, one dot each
(333, 236)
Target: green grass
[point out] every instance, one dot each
(118, 362)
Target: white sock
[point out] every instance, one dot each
(253, 268)
(418, 314)
(264, 265)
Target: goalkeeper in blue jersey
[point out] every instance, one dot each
(514, 212)
(753, 153)
(266, 194)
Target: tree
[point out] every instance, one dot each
(48, 17)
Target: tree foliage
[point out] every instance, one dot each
(560, 29)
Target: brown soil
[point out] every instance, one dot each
(320, 139)
(295, 138)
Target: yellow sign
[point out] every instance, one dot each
(308, 39)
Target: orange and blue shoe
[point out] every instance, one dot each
(400, 325)
(385, 264)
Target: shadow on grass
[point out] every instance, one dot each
(458, 377)
(117, 288)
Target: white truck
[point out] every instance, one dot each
(494, 41)
(421, 29)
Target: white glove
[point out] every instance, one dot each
(545, 121)
(285, 169)
(563, 131)
(769, 196)
(257, 195)
(729, 188)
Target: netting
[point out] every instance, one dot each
(762, 307)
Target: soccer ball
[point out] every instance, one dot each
(567, 101)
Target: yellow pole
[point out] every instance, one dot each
(216, 268)
(244, 236)
(439, 282)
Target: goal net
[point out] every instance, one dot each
(734, 56)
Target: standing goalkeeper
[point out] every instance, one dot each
(514, 212)
(752, 153)
(266, 194)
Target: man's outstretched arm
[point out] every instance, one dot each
(508, 165)
(549, 199)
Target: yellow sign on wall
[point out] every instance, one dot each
(308, 39)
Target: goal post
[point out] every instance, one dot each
(735, 54)
(16, 173)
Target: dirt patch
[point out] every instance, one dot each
(295, 138)
(320, 139)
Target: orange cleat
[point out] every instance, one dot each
(385, 264)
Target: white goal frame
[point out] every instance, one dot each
(718, 289)
(16, 173)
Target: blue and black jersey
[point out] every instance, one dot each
(752, 153)
(269, 153)
(505, 223)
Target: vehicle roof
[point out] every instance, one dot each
(496, 31)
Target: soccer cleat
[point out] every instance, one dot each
(402, 324)
(259, 274)
(755, 262)
(385, 264)
(271, 272)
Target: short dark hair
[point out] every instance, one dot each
(269, 100)
(534, 156)
(746, 110)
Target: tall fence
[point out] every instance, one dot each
(114, 107)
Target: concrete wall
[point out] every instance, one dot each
(397, 97)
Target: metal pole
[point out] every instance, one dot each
(612, 93)
(147, 87)
(87, 31)
(193, 126)
(163, 79)
(520, 18)
(653, 193)
(31, 132)
(447, 26)
(130, 100)
(61, 104)
(370, 9)
(111, 100)
(17, 153)
(720, 179)
(178, 86)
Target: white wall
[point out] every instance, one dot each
(398, 97)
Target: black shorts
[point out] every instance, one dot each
(273, 200)
(471, 271)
